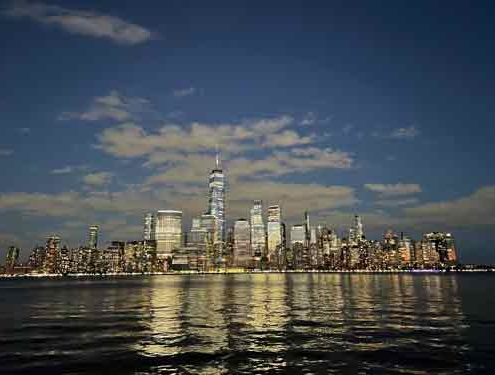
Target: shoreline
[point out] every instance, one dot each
(239, 272)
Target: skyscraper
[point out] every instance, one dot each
(51, 261)
(12, 257)
(258, 236)
(168, 232)
(216, 200)
(93, 237)
(297, 234)
(274, 229)
(356, 232)
(149, 227)
(242, 249)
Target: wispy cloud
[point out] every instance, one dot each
(64, 170)
(477, 208)
(6, 152)
(81, 22)
(309, 119)
(98, 179)
(114, 106)
(180, 93)
(394, 189)
(397, 202)
(405, 133)
(24, 130)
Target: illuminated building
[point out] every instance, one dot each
(406, 251)
(12, 257)
(37, 258)
(198, 235)
(242, 248)
(216, 200)
(50, 264)
(93, 237)
(65, 261)
(356, 232)
(258, 236)
(297, 234)
(149, 227)
(274, 230)
(168, 232)
(441, 248)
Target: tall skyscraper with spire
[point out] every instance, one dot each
(216, 199)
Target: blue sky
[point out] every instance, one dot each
(382, 109)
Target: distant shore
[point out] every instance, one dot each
(227, 271)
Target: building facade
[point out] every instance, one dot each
(168, 232)
(258, 235)
(242, 255)
(216, 200)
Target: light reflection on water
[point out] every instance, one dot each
(263, 323)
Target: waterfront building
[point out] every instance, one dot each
(37, 258)
(168, 232)
(356, 232)
(297, 234)
(149, 227)
(406, 251)
(11, 258)
(189, 258)
(274, 230)
(65, 263)
(258, 235)
(242, 254)
(51, 262)
(441, 246)
(216, 200)
(93, 237)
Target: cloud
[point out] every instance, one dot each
(24, 130)
(193, 168)
(98, 179)
(405, 133)
(131, 140)
(81, 22)
(63, 170)
(477, 208)
(114, 106)
(397, 202)
(309, 119)
(394, 189)
(6, 152)
(184, 92)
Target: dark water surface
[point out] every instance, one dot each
(261, 323)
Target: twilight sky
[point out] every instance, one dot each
(111, 109)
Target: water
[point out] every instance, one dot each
(261, 323)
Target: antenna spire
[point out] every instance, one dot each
(217, 159)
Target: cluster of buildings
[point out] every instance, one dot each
(256, 242)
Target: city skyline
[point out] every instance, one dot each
(334, 111)
(251, 245)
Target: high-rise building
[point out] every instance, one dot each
(37, 258)
(168, 232)
(297, 234)
(274, 229)
(216, 200)
(12, 257)
(307, 229)
(258, 236)
(51, 263)
(242, 249)
(93, 237)
(356, 232)
(149, 227)
(198, 234)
